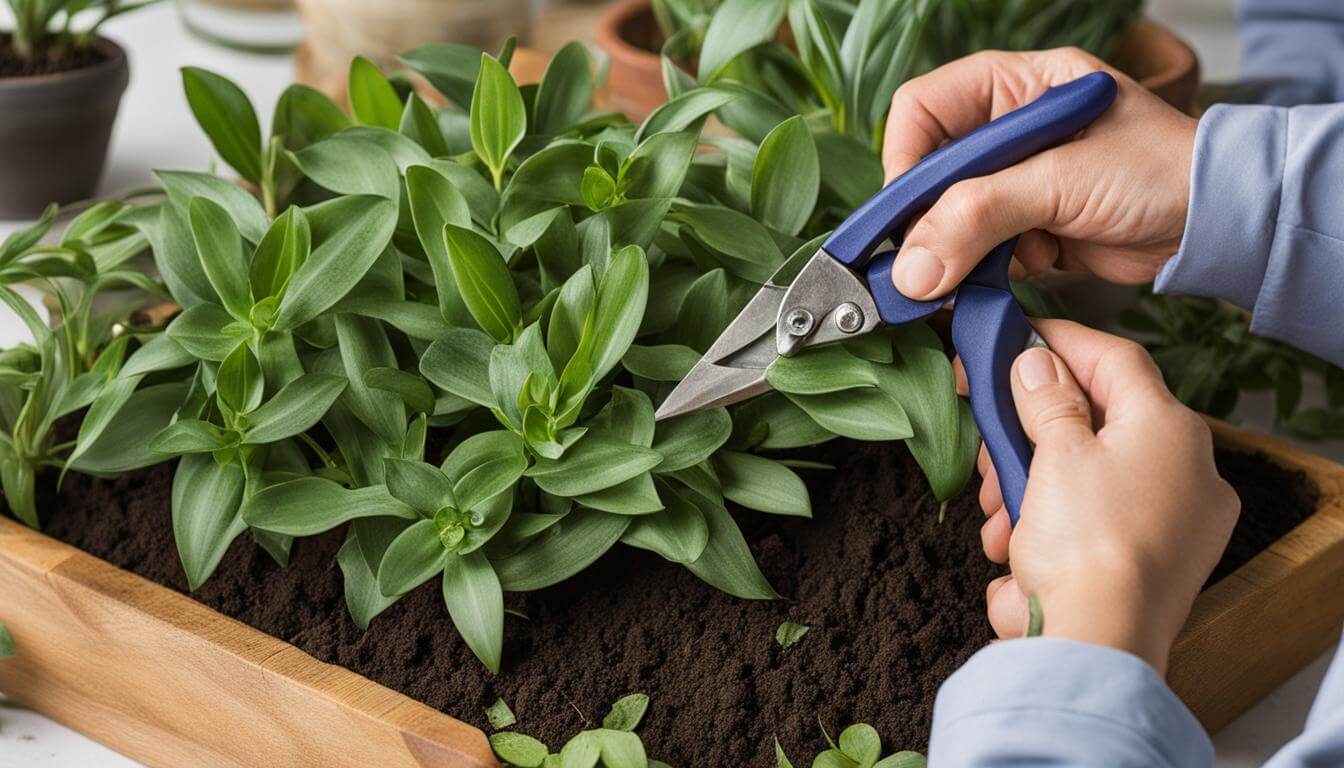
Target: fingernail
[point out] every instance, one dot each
(917, 272)
(1036, 368)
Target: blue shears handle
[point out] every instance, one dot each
(989, 329)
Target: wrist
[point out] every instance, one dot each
(1125, 616)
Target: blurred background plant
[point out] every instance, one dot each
(48, 27)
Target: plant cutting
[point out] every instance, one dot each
(60, 85)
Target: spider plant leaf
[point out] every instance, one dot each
(475, 602)
(225, 114)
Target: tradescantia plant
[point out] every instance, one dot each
(444, 330)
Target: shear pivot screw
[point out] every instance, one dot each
(799, 322)
(848, 318)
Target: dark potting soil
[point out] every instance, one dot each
(46, 62)
(894, 599)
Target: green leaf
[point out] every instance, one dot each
(921, 379)
(310, 505)
(1035, 619)
(861, 743)
(565, 92)
(820, 370)
(684, 111)
(664, 362)
(762, 484)
(740, 243)
(786, 425)
(569, 317)
(781, 759)
(420, 124)
(408, 387)
(500, 716)
(191, 436)
(483, 278)
(350, 233)
(626, 713)
(351, 166)
(239, 383)
(736, 27)
(362, 597)
(363, 346)
(658, 166)
(183, 186)
(423, 487)
(790, 633)
(304, 116)
(6, 643)
(205, 502)
(593, 463)
(620, 749)
(476, 603)
(435, 201)
(598, 188)
(621, 299)
(488, 479)
(372, 98)
(227, 117)
(298, 406)
(687, 440)
(498, 116)
(727, 563)
(207, 332)
(18, 483)
(412, 558)
(678, 533)
(905, 759)
(582, 751)
(786, 177)
(518, 749)
(863, 414)
(450, 67)
(112, 437)
(574, 543)
(221, 252)
(284, 248)
(460, 364)
(636, 496)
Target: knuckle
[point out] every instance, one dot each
(967, 205)
(1063, 408)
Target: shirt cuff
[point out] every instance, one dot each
(1234, 205)
(1046, 698)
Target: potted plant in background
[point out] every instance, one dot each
(59, 91)
(635, 32)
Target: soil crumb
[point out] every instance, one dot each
(44, 62)
(894, 600)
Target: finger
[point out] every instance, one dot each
(994, 535)
(970, 219)
(959, 375)
(1050, 405)
(1115, 373)
(1037, 251)
(959, 96)
(991, 495)
(982, 460)
(1007, 609)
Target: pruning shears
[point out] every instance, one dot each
(845, 289)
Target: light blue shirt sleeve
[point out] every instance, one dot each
(1265, 231)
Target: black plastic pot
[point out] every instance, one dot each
(54, 131)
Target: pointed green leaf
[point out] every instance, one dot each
(205, 502)
(298, 406)
(311, 505)
(498, 116)
(350, 233)
(476, 603)
(412, 558)
(786, 177)
(372, 98)
(762, 484)
(227, 117)
(220, 249)
(571, 545)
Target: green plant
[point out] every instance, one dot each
(1209, 356)
(448, 339)
(859, 747)
(68, 365)
(961, 27)
(6, 643)
(46, 27)
(614, 745)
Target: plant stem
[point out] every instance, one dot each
(319, 450)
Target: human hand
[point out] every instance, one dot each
(1124, 516)
(1112, 201)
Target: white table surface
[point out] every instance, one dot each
(156, 130)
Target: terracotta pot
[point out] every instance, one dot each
(54, 131)
(339, 30)
(627, 31)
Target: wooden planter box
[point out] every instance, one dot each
(161, 678)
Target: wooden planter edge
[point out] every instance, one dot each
(168, 681)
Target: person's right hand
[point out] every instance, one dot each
(1112, 201)
(1124, 516)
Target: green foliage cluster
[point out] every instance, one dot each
(47, 27)
(859, 746)
(614, 745)
(1209, 356)
(444, 330)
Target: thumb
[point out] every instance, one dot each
(1050, 404)
(970, 218)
